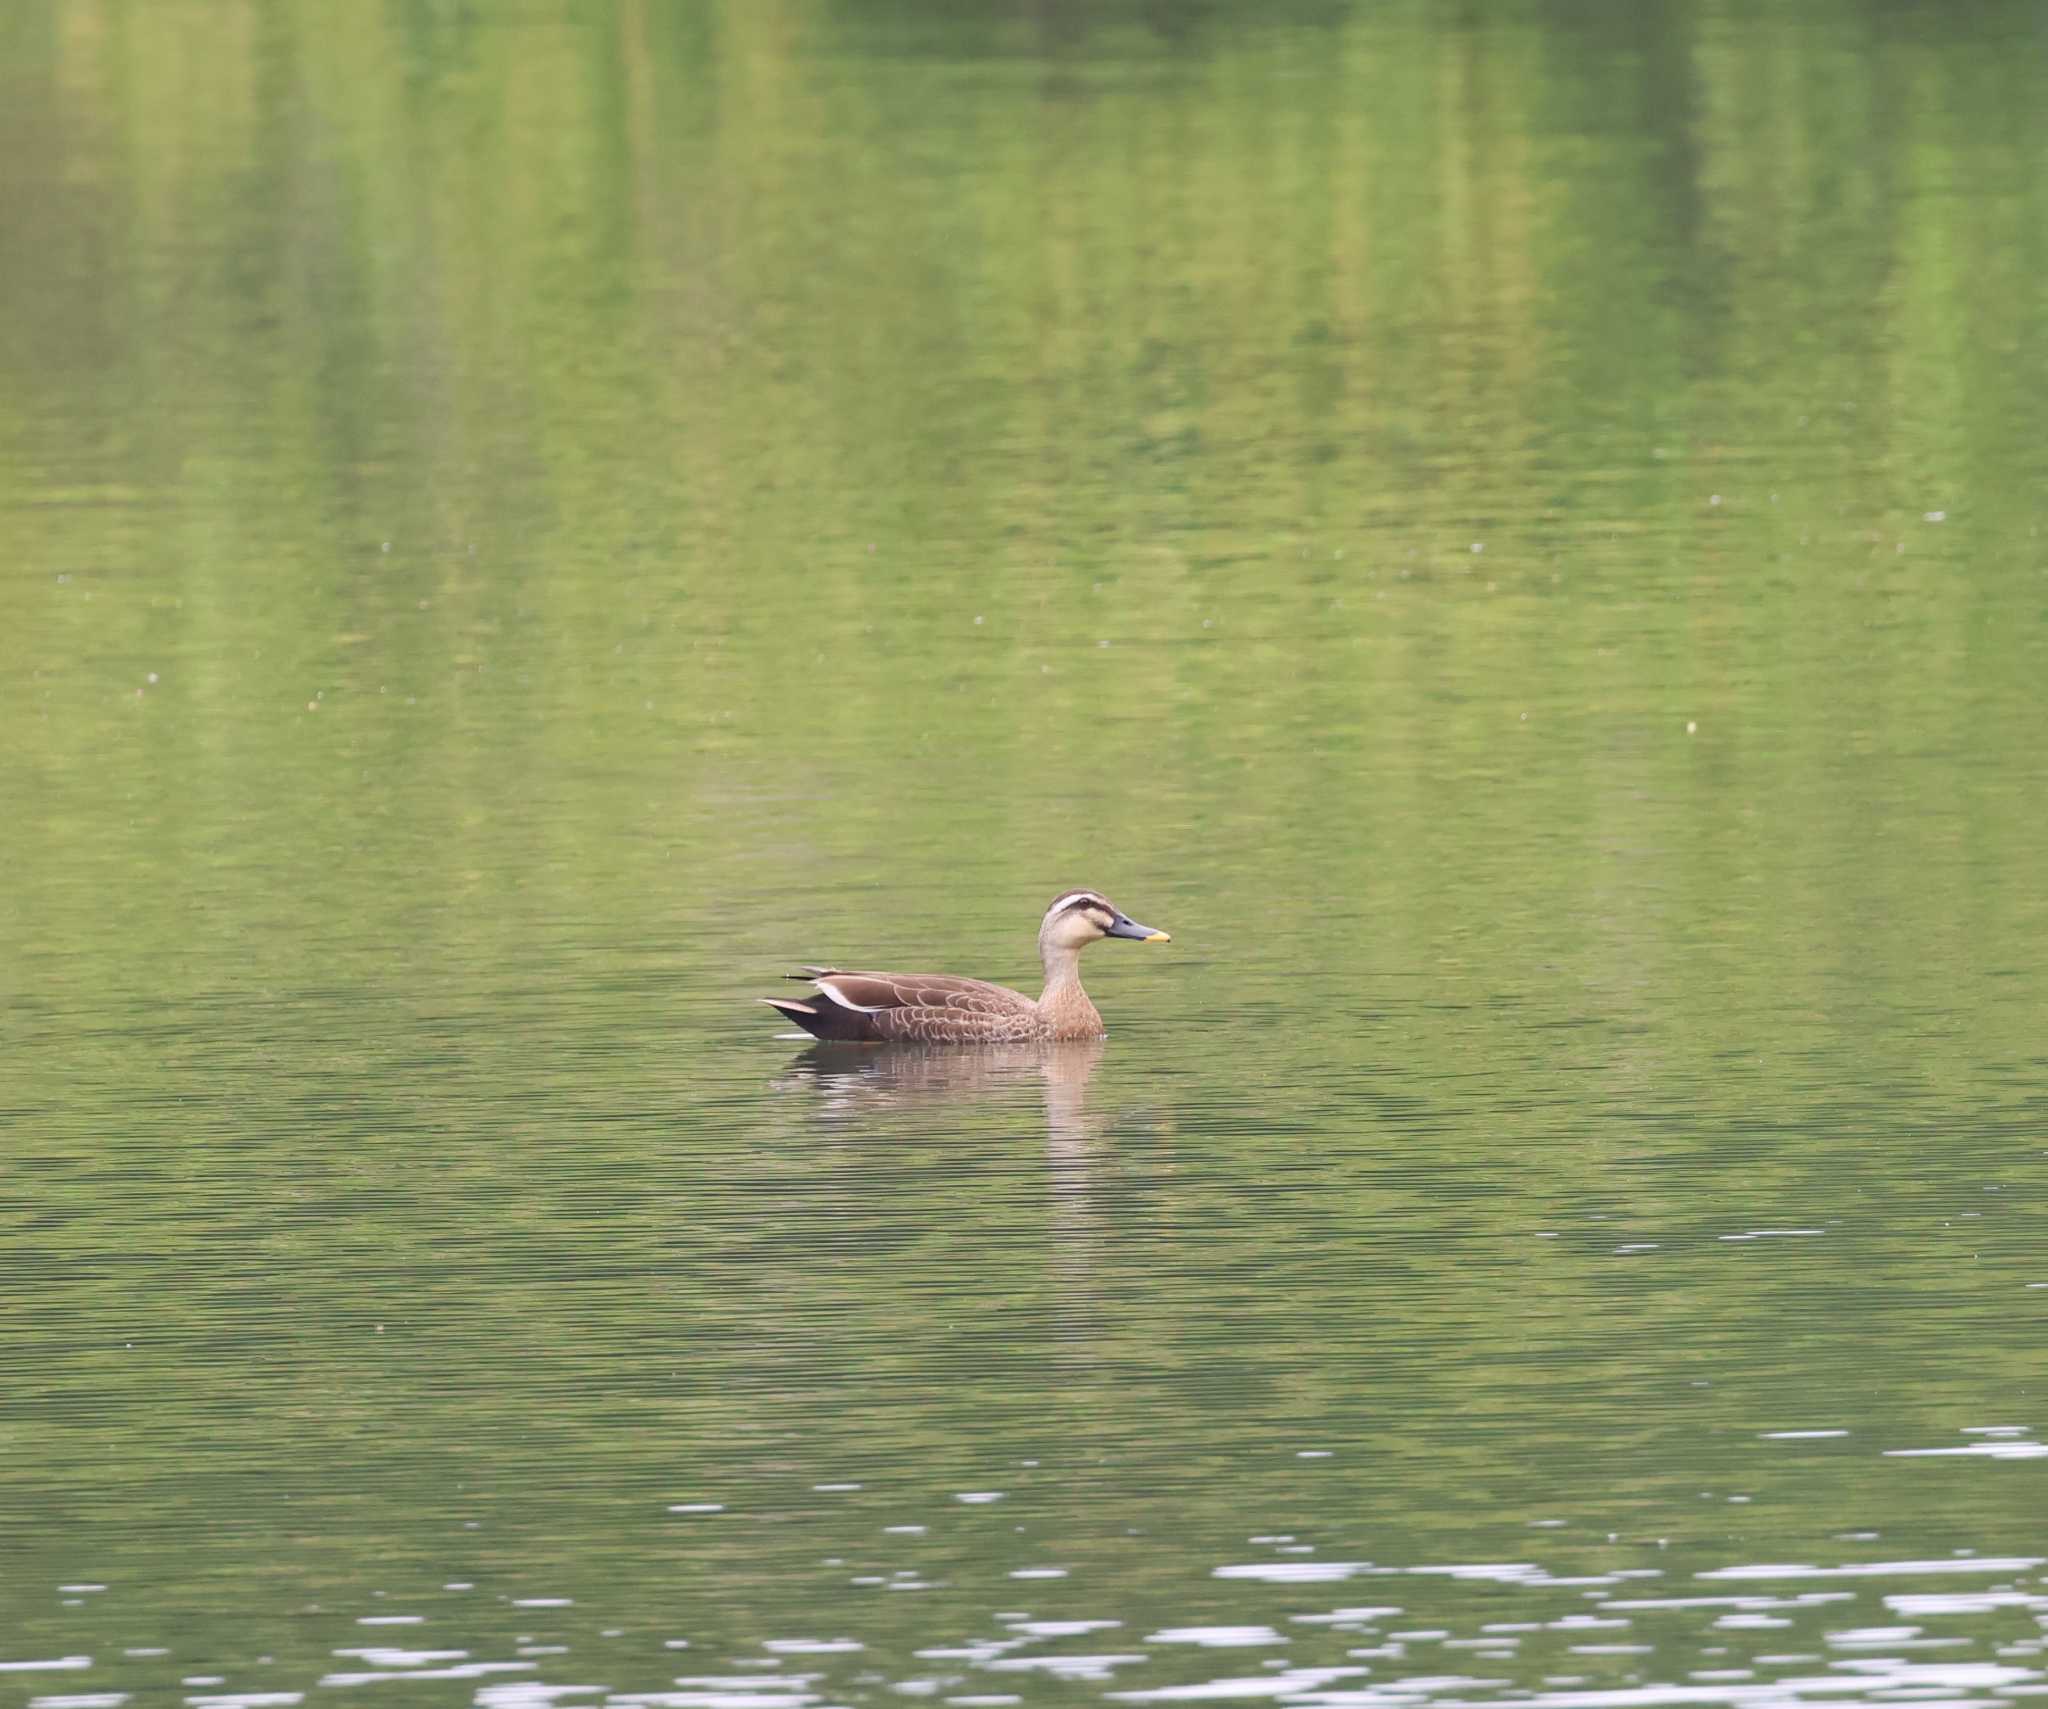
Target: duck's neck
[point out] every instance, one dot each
(1063, 1002)
(1062, 964)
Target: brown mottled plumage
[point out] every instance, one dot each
(936, 1008)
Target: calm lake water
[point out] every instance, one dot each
(1514, 531)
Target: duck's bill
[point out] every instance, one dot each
(1126, 927)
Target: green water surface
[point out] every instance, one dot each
(1514, 531)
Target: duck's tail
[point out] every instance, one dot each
(822, 1018)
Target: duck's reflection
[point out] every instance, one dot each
(905, 1089)
(864, 1079)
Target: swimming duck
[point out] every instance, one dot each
(936, 1008)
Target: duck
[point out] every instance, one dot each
(940, 1008)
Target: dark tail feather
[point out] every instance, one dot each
(824, 1018)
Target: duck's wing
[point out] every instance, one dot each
(879, 993)
(930, 1008)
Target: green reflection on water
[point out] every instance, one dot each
(1512, 531)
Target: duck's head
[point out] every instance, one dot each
(1081, 916)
